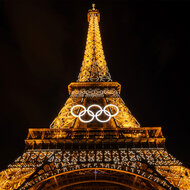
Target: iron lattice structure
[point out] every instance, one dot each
(117, 154)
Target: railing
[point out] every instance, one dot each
(46, 133)
(72, 138)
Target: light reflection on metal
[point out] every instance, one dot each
(95, 115)
(64, 118)
(94, 67)
(70, 150)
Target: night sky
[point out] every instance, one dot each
(147, 48)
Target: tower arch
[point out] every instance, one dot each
(97, 177)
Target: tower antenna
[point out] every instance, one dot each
(93, 6)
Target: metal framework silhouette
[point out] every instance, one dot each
(114, 154)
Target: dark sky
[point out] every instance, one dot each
(146, 44)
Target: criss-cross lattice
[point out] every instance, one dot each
(94, 67)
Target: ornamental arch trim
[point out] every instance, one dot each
(92, 172)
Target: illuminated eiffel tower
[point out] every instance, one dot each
(95, 142)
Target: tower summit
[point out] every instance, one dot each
(95, 142)
(94, 67)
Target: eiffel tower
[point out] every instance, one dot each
(95, 142)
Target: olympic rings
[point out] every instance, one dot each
(96, 114)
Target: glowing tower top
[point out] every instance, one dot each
(94, 67)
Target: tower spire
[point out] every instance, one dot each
(93, 6)
(94, 67)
